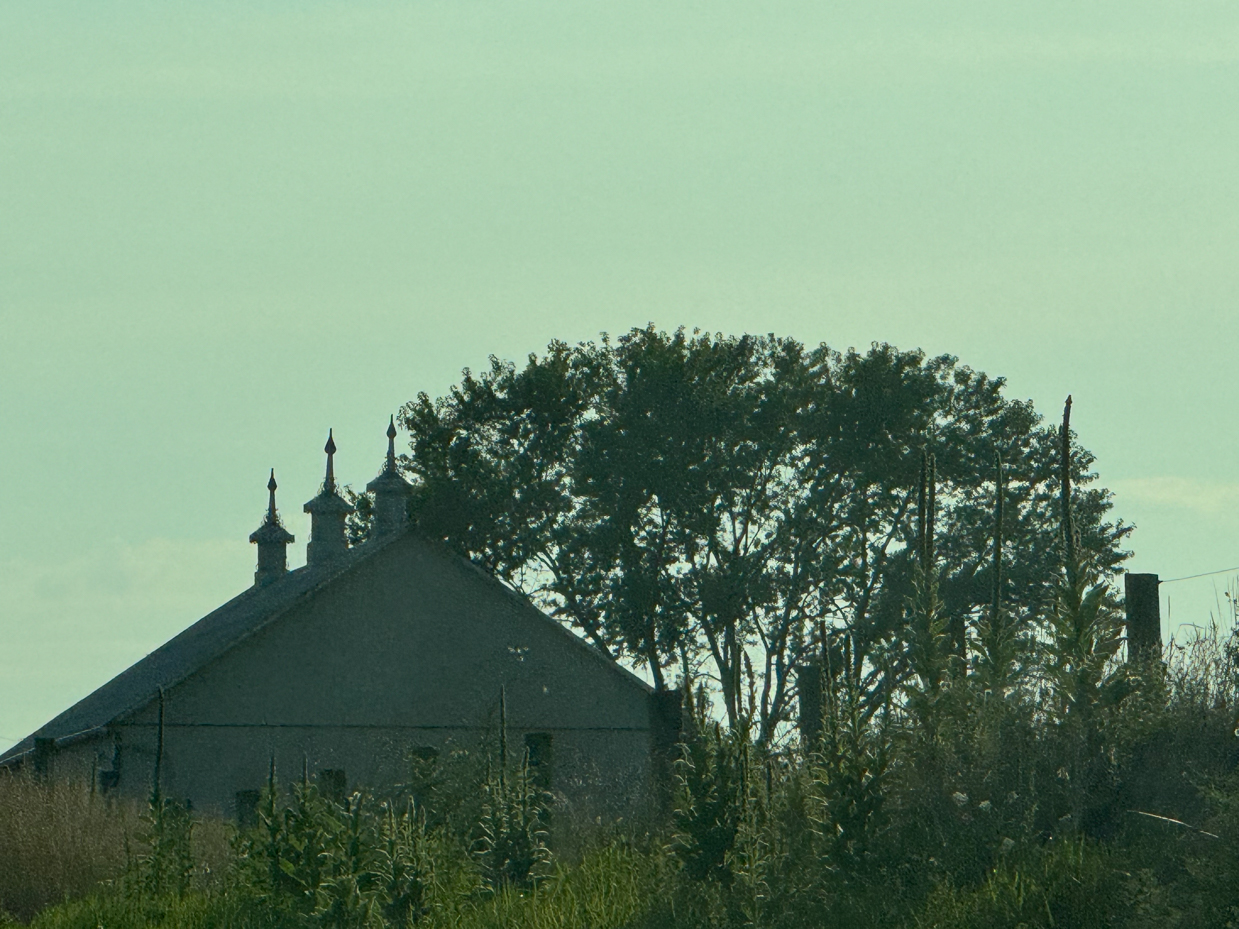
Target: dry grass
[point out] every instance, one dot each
(58, 841)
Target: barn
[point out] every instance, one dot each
(367, 656)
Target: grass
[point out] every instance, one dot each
(61, 841)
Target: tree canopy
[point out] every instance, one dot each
(723, 505)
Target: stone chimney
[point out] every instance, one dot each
(272, 540)
(327, 514)
(391, 492)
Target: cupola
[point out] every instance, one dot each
(272, 540)
(391, 491)
(327, 514)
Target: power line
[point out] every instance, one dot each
(1192, 577)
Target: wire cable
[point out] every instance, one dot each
(1192, 577)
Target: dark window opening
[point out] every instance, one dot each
(247, 808)
(539, 750)
(332, 784)
(108, 781)
(44, 751)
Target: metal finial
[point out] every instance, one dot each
(330, 449)
(271, 485)
(391, 445)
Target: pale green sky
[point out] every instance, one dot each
(226, 227)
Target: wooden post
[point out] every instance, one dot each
(1144, 617)
(666, 709)
(809, 685)
(157, 787)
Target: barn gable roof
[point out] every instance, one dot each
(226, 627)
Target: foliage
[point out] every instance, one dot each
(360, 863)
(358, 523)
(715, 500)
(972, 754)
(971, 816)
(712, 794)
(1068, 883)
(164, 865)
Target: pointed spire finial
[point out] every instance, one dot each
(271, 485)
(391, 445)
(330, 449)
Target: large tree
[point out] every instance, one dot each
(695, 501)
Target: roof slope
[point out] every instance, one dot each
(224, 628)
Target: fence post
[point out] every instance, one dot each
(666, 734)
(809, 685)
(1144, 617)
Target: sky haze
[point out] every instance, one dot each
(227, 227)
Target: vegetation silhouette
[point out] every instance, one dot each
(715, 501)
(976, 747)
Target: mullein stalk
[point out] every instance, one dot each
(1085, 624)
(999, 492)
(994, 639)
(503, 739)
(927, 631)
(1070, 542)
(930, 518)
(920, 509)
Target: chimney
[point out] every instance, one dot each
(1144, 617)
(327, 513)
(272, 540)
(391, 492)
